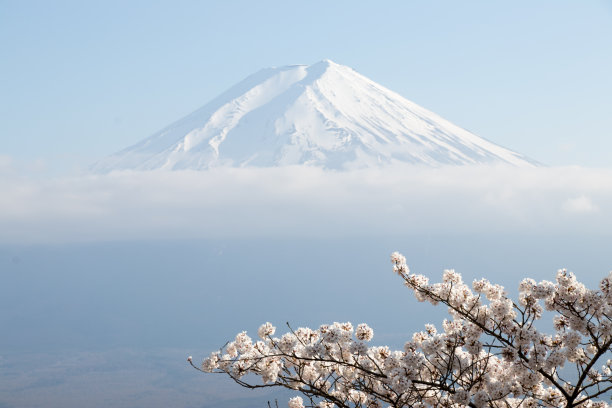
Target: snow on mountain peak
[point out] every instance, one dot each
(325, 114)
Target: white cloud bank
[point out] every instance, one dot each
(582, 204)
(300, 201)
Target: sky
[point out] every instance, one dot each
(81, 80)
(107, 282)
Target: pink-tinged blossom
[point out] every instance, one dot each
(490, 353)
(266, 330)
(296, 402)
(364, 332)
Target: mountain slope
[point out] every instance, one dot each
(324, 115)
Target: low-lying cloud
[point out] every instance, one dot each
(303, 201)
(582, 204)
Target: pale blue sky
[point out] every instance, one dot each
(80, 80)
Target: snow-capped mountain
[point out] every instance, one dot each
(324, 114)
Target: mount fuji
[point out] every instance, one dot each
(324, 115)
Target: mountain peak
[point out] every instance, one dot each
(325, 63)
(325, 114)
(330, 64)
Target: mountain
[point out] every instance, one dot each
(324, 114)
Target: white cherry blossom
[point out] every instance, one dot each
(489, 354)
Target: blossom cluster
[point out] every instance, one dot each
(488, 354)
